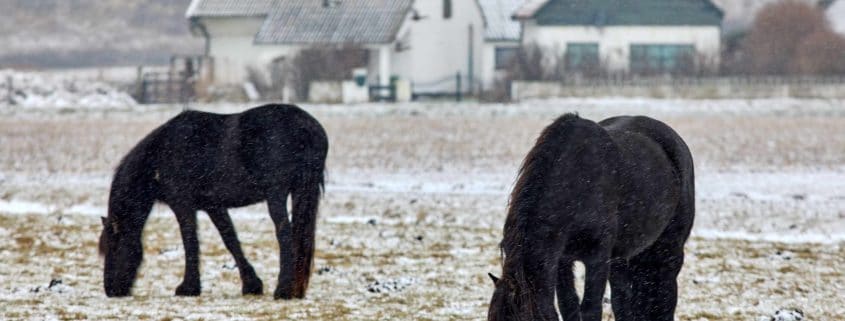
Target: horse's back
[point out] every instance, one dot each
(202, 158)
(276, 140)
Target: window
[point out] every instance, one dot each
(504, 56)
(447, 9)
(582, 56)
(661, 58)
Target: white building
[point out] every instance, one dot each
(425, 42)
(624, 36)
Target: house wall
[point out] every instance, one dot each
(438, 48)
(614, 41)
(234, 50)
(430, 49)
(489, 74)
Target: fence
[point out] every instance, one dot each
(176, 85)
(164, 87)
(746, 87)
(452, 87)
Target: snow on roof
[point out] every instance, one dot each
(498, 15)
(342, 21)
(528, 9)
(228, 8)
(836, 15)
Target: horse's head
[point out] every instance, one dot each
(508, 302)
(121, 249)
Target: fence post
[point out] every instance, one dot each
(10, 89)
(458, 81)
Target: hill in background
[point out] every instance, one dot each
(82, 33)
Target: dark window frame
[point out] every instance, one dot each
(582, 56)
(661, 58)
(504, 56)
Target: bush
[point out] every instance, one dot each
(783, 40)
(310, 64)
(821, 53)
(323, 63)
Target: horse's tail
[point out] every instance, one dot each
(306, 195)
(681, 158)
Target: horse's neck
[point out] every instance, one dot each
(129, 198)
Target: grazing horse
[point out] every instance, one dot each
(212, 162)
(617, 196)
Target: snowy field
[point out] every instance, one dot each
(413, 212)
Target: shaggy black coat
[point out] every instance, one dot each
(618, 196)
(212, 162)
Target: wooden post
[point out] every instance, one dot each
(139, 83)
(458, 81)
(10, 84)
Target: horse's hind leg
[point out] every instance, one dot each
(594, 285)
(277, 204)
(655, 286)
(567, 298)
(621, 291)
(187, 218)
(251, 283)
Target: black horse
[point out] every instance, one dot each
(617, 196)
(211, 162)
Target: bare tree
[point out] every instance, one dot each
(821, 53)
(530, 63)
(323, 63)
(777, 33)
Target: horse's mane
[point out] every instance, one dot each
(523, 202)
(132, 185)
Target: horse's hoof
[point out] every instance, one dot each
(118, 294)
(188, 290)
(253, 288)
(282, 294)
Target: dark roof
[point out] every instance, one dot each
(343, 21)
(228, 8)
(625, 12)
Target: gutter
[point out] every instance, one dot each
(197, 26)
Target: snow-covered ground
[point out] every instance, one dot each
(414, 207)
(58, 91)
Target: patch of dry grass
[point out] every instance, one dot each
(722, 279)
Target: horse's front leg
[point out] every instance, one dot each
(251, 283)
(277, 204)
(594, 285)
(567, 297)
(541, 272)
(187, 218)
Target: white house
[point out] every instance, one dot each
(624, 36)
(255, 33)
(425, 42)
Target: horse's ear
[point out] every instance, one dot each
(105, 221)
(494, 278)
